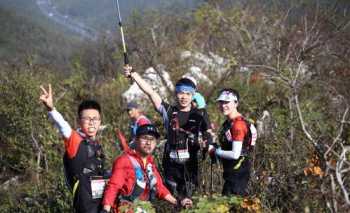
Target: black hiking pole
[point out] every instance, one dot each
(126, 59)
(211, 178)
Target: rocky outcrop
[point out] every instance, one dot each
(201, 71)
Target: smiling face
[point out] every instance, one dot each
(145, 144)
(184, 99)
(227, 107)
(90, 122)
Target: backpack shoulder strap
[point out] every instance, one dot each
(251, 134)
(137, 167)
(171, 110)
(139, 184)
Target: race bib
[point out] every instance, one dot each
(97, 186)
(180, 156)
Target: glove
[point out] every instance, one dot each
(218, 151)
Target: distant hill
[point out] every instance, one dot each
(102, 15)
(26, 32)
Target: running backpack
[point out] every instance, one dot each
(251, 136)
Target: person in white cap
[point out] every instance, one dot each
(234, 147)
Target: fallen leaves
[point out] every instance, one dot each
(252, 205)
(314, 167)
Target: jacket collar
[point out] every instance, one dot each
(134, 154)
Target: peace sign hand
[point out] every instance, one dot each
(46, 97)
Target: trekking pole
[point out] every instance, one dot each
(126, 59)
(211, 178)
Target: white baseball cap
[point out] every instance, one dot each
(227, 96)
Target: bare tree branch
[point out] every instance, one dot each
(334, 200)
(273, 69)
(61, 95)
(297, 73)
(38, 155)
(340, 132)
(301, 119)
(339, 175)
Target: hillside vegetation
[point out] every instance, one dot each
(297, 71)
(26, 34)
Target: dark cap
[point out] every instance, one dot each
(147, 129)
(132, 105)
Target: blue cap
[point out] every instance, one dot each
(185, 85)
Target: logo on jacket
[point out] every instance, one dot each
(228, 135)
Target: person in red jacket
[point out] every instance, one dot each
(135, 175)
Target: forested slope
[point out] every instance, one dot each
(28, 34)
(289, 60)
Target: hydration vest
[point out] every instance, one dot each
(183, 138)
(144, 180)
(248, 141)
(88, 162)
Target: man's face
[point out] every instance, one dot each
(146, 144)
(90, 121)
(227, 107)
(184, 99)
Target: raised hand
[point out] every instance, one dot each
(46, 97)
(127, 70)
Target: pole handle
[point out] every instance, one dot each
(126, 58)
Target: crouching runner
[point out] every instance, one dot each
(135, 176)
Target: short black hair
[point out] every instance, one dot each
(88, 104)
(187, 82)
(233, 91)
